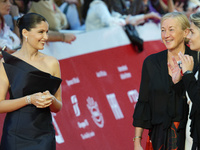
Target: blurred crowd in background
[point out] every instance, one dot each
(84, 15)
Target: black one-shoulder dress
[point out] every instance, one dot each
(28, 128)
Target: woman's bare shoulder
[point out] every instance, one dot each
(52, 63)
(50, 59)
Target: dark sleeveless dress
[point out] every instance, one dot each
(28, 128)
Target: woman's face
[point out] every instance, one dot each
(172, 34)
(38, 36)
(5, 7)
(194, 37)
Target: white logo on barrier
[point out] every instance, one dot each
(122, 68)
(83, 124)
(114, 106)
(125, 75)
(59, 137)
(87, 135)
(133, 95)
(96, 114)
(73, 81)
(75, 105)
(101, 74)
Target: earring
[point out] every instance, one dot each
(26, 38)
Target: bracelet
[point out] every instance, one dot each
(187, 72)
(28, 100)
(137, 137)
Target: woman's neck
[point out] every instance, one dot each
(175, 52)
(28, 52)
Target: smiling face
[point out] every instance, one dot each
(172, 34)
(37, 36)
(194, 37)
(5, 7)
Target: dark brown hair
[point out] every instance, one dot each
(29, 21)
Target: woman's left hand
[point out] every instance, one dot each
(187, 62)
(49, 96)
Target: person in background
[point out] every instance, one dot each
(33, 81)
(19, 8)
(11, 18)
(69, 8)
(147, 8)
(56, 19)
(191, 83)
(125, 8)
(7, 37)
(162, 105)
(161, 7)
(99, 15)
(184, 6)
(49, 9)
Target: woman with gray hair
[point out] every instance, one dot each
(162, 105)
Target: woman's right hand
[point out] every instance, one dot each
(41, 100)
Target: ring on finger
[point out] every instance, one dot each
(43, 96)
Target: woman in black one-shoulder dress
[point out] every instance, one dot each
(33, 81)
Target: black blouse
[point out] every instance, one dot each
(160, 101)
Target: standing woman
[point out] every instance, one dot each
(162, 106)
(192, 85)
(33, 81)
